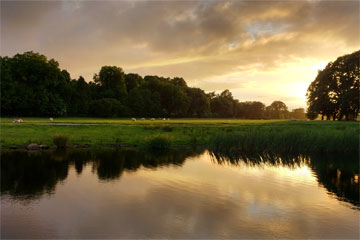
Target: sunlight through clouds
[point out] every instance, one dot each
(261, 50)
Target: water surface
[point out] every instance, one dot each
(184, 194)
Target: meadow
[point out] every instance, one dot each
(226, 135)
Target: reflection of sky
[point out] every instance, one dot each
(199, 200)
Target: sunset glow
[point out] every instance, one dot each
(260, 51)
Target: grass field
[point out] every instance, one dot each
(185, 132)
(138, 122)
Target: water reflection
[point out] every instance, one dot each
(113, 193)
(28, 175)
(337, 173)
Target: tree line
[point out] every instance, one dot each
(32, 85)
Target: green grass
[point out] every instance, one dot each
(159, 142)
(128, 121)
(287, 140)
(221, 133)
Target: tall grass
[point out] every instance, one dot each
(60, 140)
(286, 140)
(158, 142)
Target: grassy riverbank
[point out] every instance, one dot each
(220, 133)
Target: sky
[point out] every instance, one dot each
(259, 50)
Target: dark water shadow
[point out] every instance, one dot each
(27, 176)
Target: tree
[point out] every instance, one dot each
(298, 113)
(311, 114)
(108, 107)
(144, 103)
(335, 91)
(173, 99)
(132, 80)
(112, 82)
(250, 110)
(222, 105)
(179, 82)
(277, 110)
(81, 97)
(199, 103)
(32, 85)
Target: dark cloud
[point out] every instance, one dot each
(193, 39)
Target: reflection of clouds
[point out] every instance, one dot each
(198, 200)
(208, 208)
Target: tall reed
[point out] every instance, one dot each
(286, 140)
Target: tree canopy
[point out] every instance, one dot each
(335, 91)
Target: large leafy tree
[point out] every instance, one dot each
(80, 97)
(132, 80)
(335, 91)
(277, 110)
(144, 103)
(32, 85)
(173, 99)
(298, 113)
(108, 107)
(112, 82)
(250, 110)
(222, 105)
(199, 103)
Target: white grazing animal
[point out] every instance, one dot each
(51, 119)
(133, 119)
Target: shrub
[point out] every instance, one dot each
(60, 140)
(151, 127)
(167, 128)
(159, 142)
(118, 140)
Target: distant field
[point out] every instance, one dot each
(182, 132)
(147, 121)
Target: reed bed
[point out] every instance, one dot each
(286, 140)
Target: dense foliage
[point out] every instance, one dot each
(32, 85)
(335, 91)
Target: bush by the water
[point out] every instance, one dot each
(60, 140)
(159, 142)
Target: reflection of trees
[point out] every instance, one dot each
(110, 164)
(28, 175)
(338, 176)
(337, 173)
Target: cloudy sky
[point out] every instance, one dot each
(260, 50)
